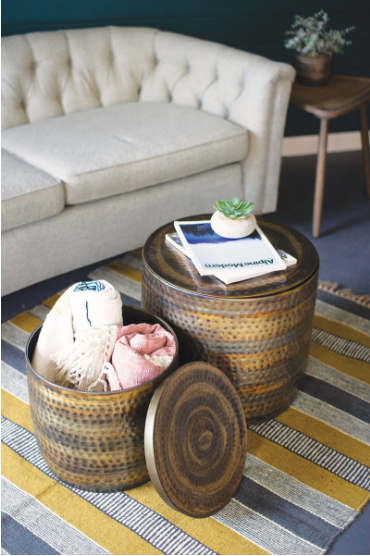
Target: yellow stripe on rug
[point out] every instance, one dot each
(137, 252)
(326, 434)
(340, 329)
(50, 301)
(125, 270)
(307, 472)
(94, 523)
(347, 365)
(15, 410)
(26, 322)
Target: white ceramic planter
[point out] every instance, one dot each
(233, 229)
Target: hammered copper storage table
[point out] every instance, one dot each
(94, 440)
(256, 331)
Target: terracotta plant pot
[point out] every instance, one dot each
(313, 72)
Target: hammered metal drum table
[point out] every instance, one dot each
(256, 331)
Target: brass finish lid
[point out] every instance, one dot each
(196, 440)
(175, 270)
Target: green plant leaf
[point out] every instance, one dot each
(310, 35)
(234, 208)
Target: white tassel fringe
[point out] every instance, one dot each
(81, 363)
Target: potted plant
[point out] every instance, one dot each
(315, 46)
(233, 219)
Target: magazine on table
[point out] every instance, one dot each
(230, 277)
(288, 259)
(175, 240)
(230, 260)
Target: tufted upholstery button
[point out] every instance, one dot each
(69, 62)
(33, 66)
(23, 104)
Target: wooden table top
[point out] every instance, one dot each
(342, 94)
(172, 267)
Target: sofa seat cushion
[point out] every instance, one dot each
(27, 194)
(111, 150)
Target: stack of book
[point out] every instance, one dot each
(229, 260)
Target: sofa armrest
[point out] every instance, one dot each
(248, 89)
(261, 108)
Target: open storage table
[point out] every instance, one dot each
(191, 418)
(257, 331)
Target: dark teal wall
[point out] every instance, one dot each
(253, 25)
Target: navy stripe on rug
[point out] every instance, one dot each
(344, 303)
(13, 356)
(16, 539)
(336, 397)
(293, 518)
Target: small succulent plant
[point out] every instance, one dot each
(234, 209)
(311, 37)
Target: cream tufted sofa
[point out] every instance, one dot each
(110, 132)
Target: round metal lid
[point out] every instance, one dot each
(175, 270)
(196, 440)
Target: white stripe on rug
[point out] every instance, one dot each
(298, 493)
(346, 383)
(14, 382)
(332, 416)
(14, 335)
(343, 346)
(131, 260)
(121, 283)
(262, 531)
(44, 523)
(40, 311)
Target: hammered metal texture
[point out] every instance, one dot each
(93, 441)
(198, 443)
(260, 342)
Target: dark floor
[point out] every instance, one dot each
(344, 242)
(343, 247)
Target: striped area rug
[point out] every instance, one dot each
(306, 477)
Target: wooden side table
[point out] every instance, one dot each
(343, 94)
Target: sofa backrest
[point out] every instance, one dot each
(50, 74)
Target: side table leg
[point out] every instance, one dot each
(365, 145)
(320, 177)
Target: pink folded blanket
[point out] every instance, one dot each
(141, 353)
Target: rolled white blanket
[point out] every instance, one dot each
(95, 304)
(84, 305)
